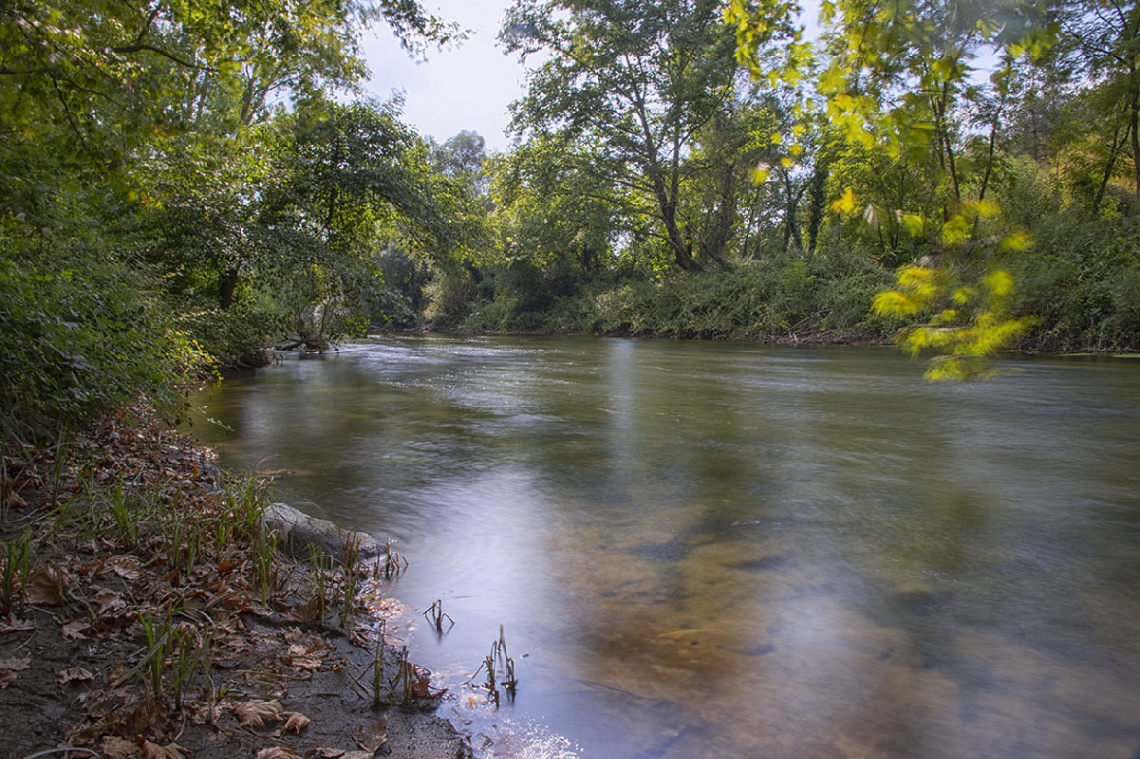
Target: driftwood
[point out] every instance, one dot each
(303, 537)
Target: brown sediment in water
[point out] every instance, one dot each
(144, 614)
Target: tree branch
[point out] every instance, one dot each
(140, 48)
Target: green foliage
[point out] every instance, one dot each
(398, 301)
(1083, 282)
(450, 295)
(631, 83)
(80, 334)
(150, 193)
(967, 325)
(232, 339)
(828, 298)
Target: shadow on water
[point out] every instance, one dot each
(705, 549)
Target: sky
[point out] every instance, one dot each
(466, 87)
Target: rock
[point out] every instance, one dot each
(303, 537)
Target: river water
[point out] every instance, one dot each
(723, 550)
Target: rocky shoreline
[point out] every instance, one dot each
(152, 606)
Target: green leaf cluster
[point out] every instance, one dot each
(967, 323)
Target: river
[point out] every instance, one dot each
(702, 549)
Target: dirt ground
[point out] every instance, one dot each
(143, 614)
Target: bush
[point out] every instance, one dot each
(776, 298)
(450, 296)
(755, 299)
(80, 335)
(1082, 281)
(233, 339)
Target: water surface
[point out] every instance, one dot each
(724, 550)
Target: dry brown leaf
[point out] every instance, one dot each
(421, 687)
(89, 568)
(305, 662)
(295, 722)
(202, 713)
(256, 713)
(109, 600)
(126, 567)
(277, 752)
(376, 737)
(336, 753)
(114, 747)
(305, 641)
(74, 630)
(137, 719)
(75, 674)
(45, 588)
(155, 751)
(14, 664)
(7, 677)
(16, 625)
(310, 610)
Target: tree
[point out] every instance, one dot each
(133, 169)
(117, 76)
(1101, 46)
(902, 76)
(553, 206)
(634, 82)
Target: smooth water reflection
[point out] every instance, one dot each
(721, 550)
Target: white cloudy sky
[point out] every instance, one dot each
(468, 87)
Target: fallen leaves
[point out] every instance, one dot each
(114, 747)
(306, 651)
(108, 601)
(126, 567)
(169, 751)
(277, 752)
(376, 737)
(45, 587)
(15, 664)
(259, 714)
(75, 674)
(14, 624)
(295, 722)
(104, 584)
(256, 713)
(9, 667)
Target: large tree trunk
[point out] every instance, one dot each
(817, 200)
(1109, 166)
(682, 250)
(715, 242)
(228, 286)
(1136, 138)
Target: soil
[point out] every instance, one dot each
(247, 654)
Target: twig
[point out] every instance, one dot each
(66, 750)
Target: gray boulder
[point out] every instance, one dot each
(303, 537)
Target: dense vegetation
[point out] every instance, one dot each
(184, 184)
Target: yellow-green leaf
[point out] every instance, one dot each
(845, 203)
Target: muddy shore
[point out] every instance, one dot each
(144, 612)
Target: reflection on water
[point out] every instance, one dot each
(721, 550)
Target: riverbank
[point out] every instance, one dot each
(144, 612)
(1035, 344)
